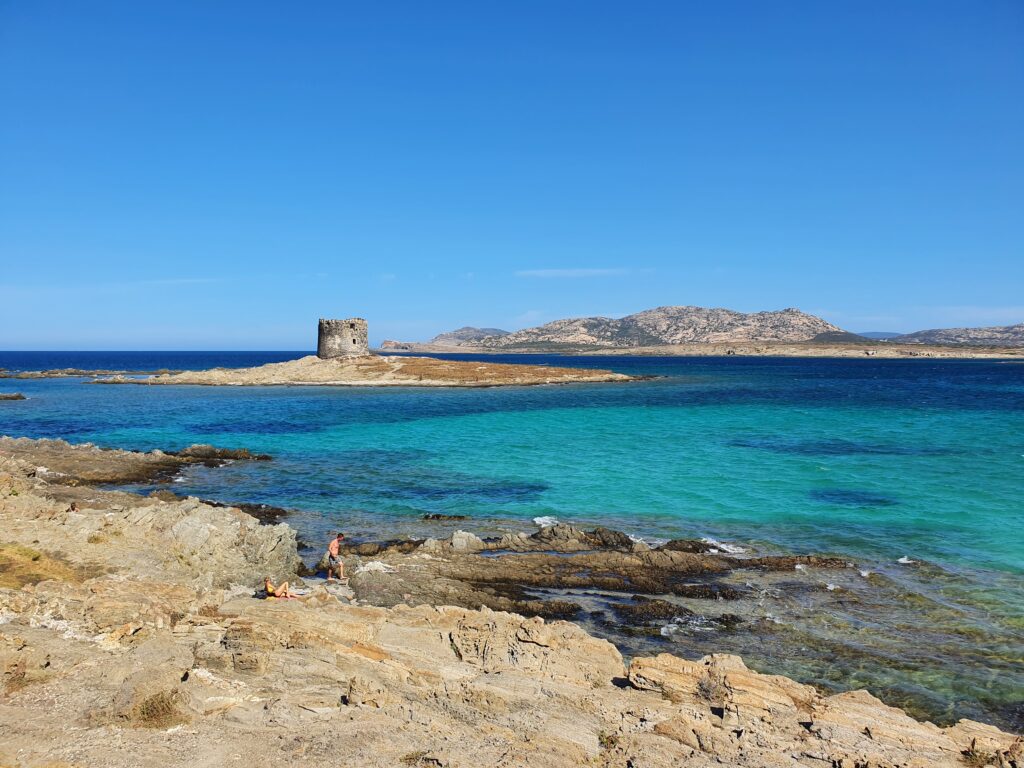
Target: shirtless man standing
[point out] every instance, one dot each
(334, 558)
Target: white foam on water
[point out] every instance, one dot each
(651, 542)
(732, 549)
(865, 573)
(800, 567)
(688, 624)
(906, 561)
(545, 521)
(831, 587)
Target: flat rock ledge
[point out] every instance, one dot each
(129, 636)
(380, 371)
(60, 462)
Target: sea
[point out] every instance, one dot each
(912, 470)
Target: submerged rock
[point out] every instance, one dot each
(643, 610)
(206, 453)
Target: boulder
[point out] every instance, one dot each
(463, 541)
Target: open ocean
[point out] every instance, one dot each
(874, 460)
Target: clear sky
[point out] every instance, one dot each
(217, 175)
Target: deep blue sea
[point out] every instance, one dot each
(875, 460)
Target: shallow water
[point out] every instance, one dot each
(871, 459)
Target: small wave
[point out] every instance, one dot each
(695, 623)
(545, 521)
(906, 561)
(731, 549)
(178, 480)
(651, 542)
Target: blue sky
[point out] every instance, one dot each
(195, 175)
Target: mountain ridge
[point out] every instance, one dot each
(672, 325)
(996, 335)
(466, 335)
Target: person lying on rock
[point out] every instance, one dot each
(281, 590)
(334, 563)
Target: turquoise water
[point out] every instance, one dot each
(874, 460)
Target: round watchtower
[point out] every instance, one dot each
(342, 338)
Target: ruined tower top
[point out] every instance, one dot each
(342, 338)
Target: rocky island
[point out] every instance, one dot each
(130, 635)
(344, 359)
(380, 371)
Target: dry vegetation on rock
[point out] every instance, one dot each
(379, 371)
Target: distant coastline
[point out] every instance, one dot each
(866, 350)
(703, 331)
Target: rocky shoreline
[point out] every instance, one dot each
(130, 636)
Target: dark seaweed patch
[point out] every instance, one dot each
(259, 426)
(493, 492)
(852, 498)
(833, 447)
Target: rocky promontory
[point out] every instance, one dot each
(60, 462)
(130, 635)
(380, 371)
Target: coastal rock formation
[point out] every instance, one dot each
(11, 396)
(142, 645)
(997, 336)
(505, 573)
(61, 462)
(382, 371)
(197, 543)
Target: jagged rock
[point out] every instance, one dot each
(462, 541)
(720, 680)
(686, 545)
(208, 453)
(505, 642)
(150, 694)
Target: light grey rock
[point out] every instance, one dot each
(463, 541)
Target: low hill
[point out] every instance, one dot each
(466, 336)
(995, 336)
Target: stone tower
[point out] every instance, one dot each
(342, 338)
